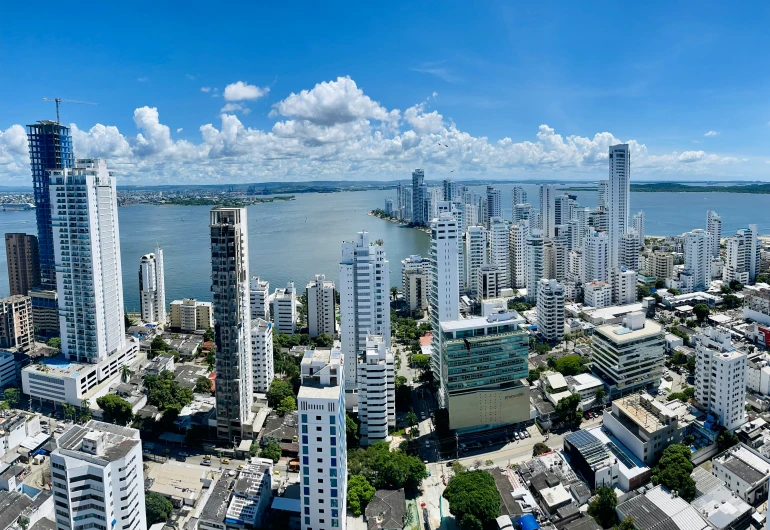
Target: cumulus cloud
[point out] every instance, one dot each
(240, 91)
(335, 131)
(711, 133)
(179, 130)
(205, 89)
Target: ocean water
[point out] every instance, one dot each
(295, 240)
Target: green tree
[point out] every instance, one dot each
(679, 358)
(660, 283)
(701, 311)
(642, 291)
(254, 449)
(602, 506)
(211, 361)
(203, 385)
(420, 361)
(387, 469)
(208, 335)
(600, 394)
(393, 293)
(473, 499)
(351, 431)
(116, 409)
(735, 285)
(568, 409)
(287, 405)
(157, 346)
(323, 341)
(726, 440)
(626, 524)
(70, 411)
(675, 292)
(569, 365)
(673, 471)
(279, 389)
(731, 301)
(272, 450)
(12, 396)
(411, 418)
(360, 492)
(4, 406)
(403, 394)
(165, 393)
(157, 507)
(55, 343)
(540, 448)
(125, 373)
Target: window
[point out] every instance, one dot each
(307, 510)
(334, 503)
(306, 481)
(333, 430)
(305, 460)
(304, 418)
(334, 462)
(304, 440)
(304, 449)
(333, 482)
(334, 440)
(307, 520)
(304, 429)
(318, 439)
(305, 470)
(318, 418)
(334, 493)
(332, 420)
(334, 451)
(306, 490)
(332, 472)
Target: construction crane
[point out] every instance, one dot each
(60, 100)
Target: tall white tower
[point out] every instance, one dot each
(321, 317)
(714, 229)
(638, 226)
(364, 302)
(232, 317)
(602, 192)
(475, 255)
(618, 198)
(498, 247)
(84, 210)
(720, 377)
(535, 263)
(517, 254)
(697, 257)
(152, 289)
(518, 195)
(595, 257)
(548, 210)
(494, 204)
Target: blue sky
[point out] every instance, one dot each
(479, 90)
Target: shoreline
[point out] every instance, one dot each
(401, 223)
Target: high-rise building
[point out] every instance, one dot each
(389, 208)
(555, 254)
(597, 294)
(444, 294)
(624, 290)
(548, 210)
(629, 250)
(45, 312)
(629, 356)
(535, 263)
(259, 298)
(322, 443)
(152, 288)
(474, 256)
(638, 225)
(494, 204)
(550, 310)
(742, 256)
(23, 263)
(451, 190)
(364, 302)
(720, 377)
(263, 371)
(230, 288)
(499, 251)
(408, 205)
(321, 315)
(418, 197)
(190, 315)
(97, 478)
(517, 254)
(661, 264)
(84, 212)
(50, 148)
(599, 220)
(522, 212)
(714, 230)
(596, 257)
(376, 391)
(415, 276)
(697, 259)
(581, 216)
(17, 331)
(518, 195)
(285, 309)
(618, 199)
(602, 193)
(575, 266)
(562, 210)
(489, 282)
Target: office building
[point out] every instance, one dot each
(597, 294)
(714, 231)
(618, 199)
(581, 216)
(419, 191)
(322, 443)
(637, 223)
(661, 264)
(624, 290)
(548, 210)
(415, 276)
(259, 298)
(486, 359)
(17, 331)
(239, 503)
(602, 194)
(629, 356)
(50, 148)
(190, 315)
(517, 254)
(230, 289)
(535, 263)
(284, 310)
(697, 258)
(629, 250)
(23, 263)
(262, 355)
(364, 302)
(494, 205)
(97, 478)
(45, 313)
(444, 295)
(152, 288)
(376, 391)
(321, 307)
(474, 256)
(720, 377)
(518, 195)
(596, 257)
(742, 256)
(550, 310)
(489, 282)
(499, 247)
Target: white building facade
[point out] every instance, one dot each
(152, 288)
(262, 355)
(720, 377)
(517, 254)
(260, 298)
(285, 309)
(376, 391)
(321, 316)
(474, 255)
(618, 199)
(550, 310)
(499, 247)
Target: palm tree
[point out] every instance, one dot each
(125, 373)
(4, 406)
(69, 411)
(394, 293)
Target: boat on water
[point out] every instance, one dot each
(18, 207)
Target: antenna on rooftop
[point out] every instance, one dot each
(60, 100)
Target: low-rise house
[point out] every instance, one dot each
(745, 471)
(660, 508)
(586, 386)
(387, 510)
(285, 430)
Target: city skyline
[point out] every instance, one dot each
(329, 104)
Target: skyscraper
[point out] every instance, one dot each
(714, 229)
(499, 251)
(152, 287)
(451, 190)
(263, 370)
(494, 204)
(475, 255)
(517, 254)
(418, 198)
(550, 309)
(23, 263)
(720, 377)
(595, 257)
(618, 199)
(230, 288)
(742, 256)
(697, 257)
(602, 193)
(535, 264)
(638, 226)
(518, 195)
(547, 210)
(629, 251)
(321, 316)
(364, 303)
(376, 391)
(50, 147)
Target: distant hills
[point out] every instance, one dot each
(674, 187)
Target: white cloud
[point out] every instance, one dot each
(334, 131)
(205, 89)
(179, 130)
(240, 91)
(711, 133)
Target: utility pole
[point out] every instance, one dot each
(60, 100)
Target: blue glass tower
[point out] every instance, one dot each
(50, 147)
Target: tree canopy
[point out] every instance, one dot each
(726, 440)
(351, 431)
(116, 409)
(569, 365)
(540, 448)
(12, 396)
(287, 404)
(271, 450)
(420, 361)
(673, 471)
(203, 385)
(602, 506)
(387, 469)
(157, 507)
(165, 393)
(279, 389)
(568, 409)
(360, 492)
(473, 499)
(701, 311)
(324, 341)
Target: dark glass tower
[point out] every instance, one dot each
(50, 147)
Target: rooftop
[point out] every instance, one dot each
(387, 510)
(644, 411)
(747, 464)
(59, 366)
(216, 506)
(620, 334)
(659, 509)
(477, 322)
(12, 504)
(721, 507)
(118, 441)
